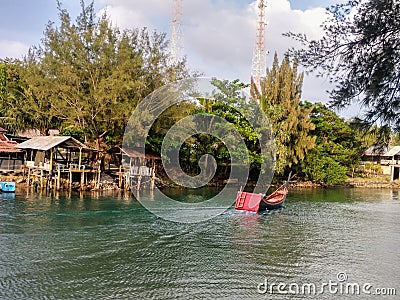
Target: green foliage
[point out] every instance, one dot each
(359, 53)
(339, 148)
(231, 104)
(17, 112)
(89, 75)
(323, 169)
(279, 98)
(3, 81)
(74, 132)
(372, 169)
(226, 103)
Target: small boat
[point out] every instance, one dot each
(7, 187)
(258, 202)
(274, 200)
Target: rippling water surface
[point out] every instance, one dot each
(109, 247)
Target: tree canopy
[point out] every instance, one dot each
(279, 98)
(227, 102)
(339, 147)
(360, 54)
(86, 77)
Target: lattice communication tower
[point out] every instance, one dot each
(259, 63)
(176, 36)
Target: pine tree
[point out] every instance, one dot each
(88, 76)
(360, 54)
(279, 98)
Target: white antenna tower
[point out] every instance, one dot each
(176, 35)
(259, 63)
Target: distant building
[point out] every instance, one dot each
(11, 158)
(387, 157)
(30, 133)
(65, 156)
(48, 152)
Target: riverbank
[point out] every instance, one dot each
(108, 182)
(378, 183)
(368, 183)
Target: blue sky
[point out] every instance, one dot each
(218, 35)
(25, 20)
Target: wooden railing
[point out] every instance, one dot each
(387, 162)
(141, 171)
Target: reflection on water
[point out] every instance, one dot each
(97, 246)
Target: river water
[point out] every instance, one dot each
(109, 247)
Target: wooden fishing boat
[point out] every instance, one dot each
(7, 187)
(274, 200)
(259, 202)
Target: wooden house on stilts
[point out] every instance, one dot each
(135, 168)
(11, 158)
(52, 158)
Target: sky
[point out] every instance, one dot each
(217, 39)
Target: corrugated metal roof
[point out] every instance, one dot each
(44, 143)
(382, 151)
(393, 151)
(377, 150)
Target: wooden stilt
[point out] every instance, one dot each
(51, 161)
(29, 177)
(153, 178)
(120, 177)
(70, 179)
(139, 182)
(41, 179)
(80, 158)
(126, 181)
(58, 178)
(98, 177)
(82, 180)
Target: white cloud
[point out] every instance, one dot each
(220, 41)
(12, 49)
(152, 14)
(218, 36)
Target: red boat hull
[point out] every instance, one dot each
(248, 201)
(257, 202)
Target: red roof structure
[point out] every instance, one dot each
(7, 146)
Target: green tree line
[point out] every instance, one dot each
(86, 78)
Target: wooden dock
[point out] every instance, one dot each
(43, 177)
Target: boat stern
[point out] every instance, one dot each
(248, 201)
(7, 187)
